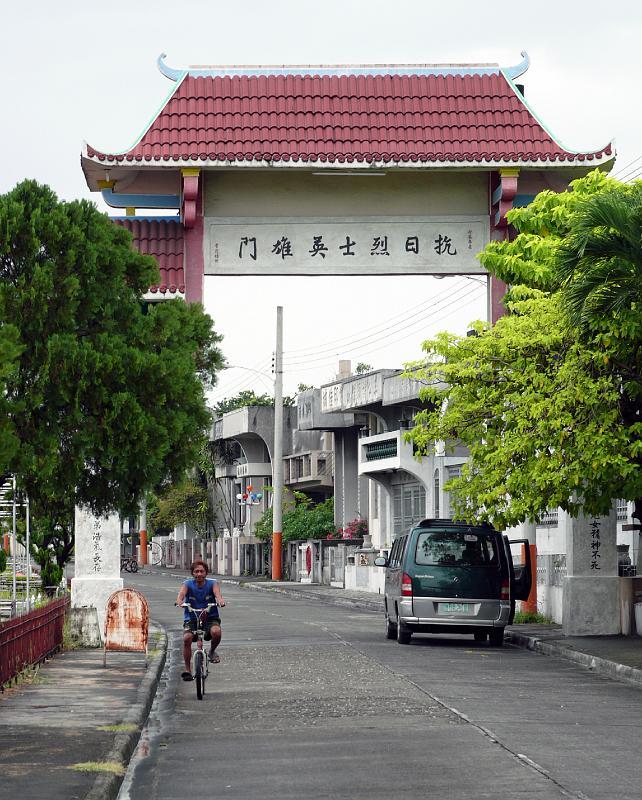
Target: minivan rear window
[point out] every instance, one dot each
(444, 548)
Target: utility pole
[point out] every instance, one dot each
(277, 455)
(142, 538)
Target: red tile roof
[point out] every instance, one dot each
(163, 239)
(361, 118)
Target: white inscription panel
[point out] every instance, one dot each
(359, 246)
(331, 397)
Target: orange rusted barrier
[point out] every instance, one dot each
(126, 622)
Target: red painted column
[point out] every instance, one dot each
(530, 605)
(194, 262)
(502, 189)
(496, 292)
(143, 547)
(193, 230)
(5, 543)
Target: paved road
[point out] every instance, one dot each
(310, 701)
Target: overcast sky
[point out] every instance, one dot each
(75, 71)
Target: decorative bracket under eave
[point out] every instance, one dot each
(503, 196)
(190, 176)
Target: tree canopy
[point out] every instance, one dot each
(105, 393)
(248, 398)
(550, 414)
(302, 519)
(185, 502)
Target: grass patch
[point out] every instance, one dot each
(529, 617)
(69, 642)
(123, 727)
(28, 676)
(99, 766)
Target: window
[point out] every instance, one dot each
(456, 548)
(408, 505)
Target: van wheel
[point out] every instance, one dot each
(496, 637)
(403, 634)
(391, 629)
(480, 636)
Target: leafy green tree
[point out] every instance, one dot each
(599, 264)
(302, 519)
(185, 502)
(362, 368)
(9, 352)
(108, 393)
(248, 398)
(550, 418)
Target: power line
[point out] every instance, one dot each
(368, 346)
(308, 351)
(382, 333)
(624, 168)
(636, 174)
(453, 296)
(232, 387)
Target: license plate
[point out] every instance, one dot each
(454, 608)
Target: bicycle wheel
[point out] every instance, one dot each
(199, 673)
(133, 566)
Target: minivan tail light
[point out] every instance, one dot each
(406, 585)
(505, 591)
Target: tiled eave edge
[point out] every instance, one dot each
(158, 296)
(572, 160)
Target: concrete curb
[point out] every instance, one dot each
(106, 786)
(601, 666)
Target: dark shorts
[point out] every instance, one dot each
(190, 625)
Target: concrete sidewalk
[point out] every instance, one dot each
(73, 716)
(618, 657)
(74, 713)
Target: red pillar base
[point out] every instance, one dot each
(530, 605)
(277, 539)
(143, 547)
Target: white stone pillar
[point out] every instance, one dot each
(97, 563)
(591, 586)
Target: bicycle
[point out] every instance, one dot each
(128, 564)
(199, 658)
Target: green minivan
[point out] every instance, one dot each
(450, 577)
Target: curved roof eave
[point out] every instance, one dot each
(575, 159)
(149, 123)
(537, 117)
(342, 69)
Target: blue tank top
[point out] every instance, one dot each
(199, 596)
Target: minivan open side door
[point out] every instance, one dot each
(522, 574)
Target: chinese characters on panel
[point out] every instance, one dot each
(283, 247)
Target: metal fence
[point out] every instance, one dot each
(30, 638)
(551, 569)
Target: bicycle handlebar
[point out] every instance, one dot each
(195, 610)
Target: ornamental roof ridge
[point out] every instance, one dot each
(218, 71)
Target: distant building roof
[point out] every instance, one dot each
(162, 238)
(415, 116)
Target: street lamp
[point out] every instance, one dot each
(248, 498)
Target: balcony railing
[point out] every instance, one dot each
(375, 451)
(622, 510)
(549, 518)
(314, 465)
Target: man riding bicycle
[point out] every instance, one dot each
(198, 591)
